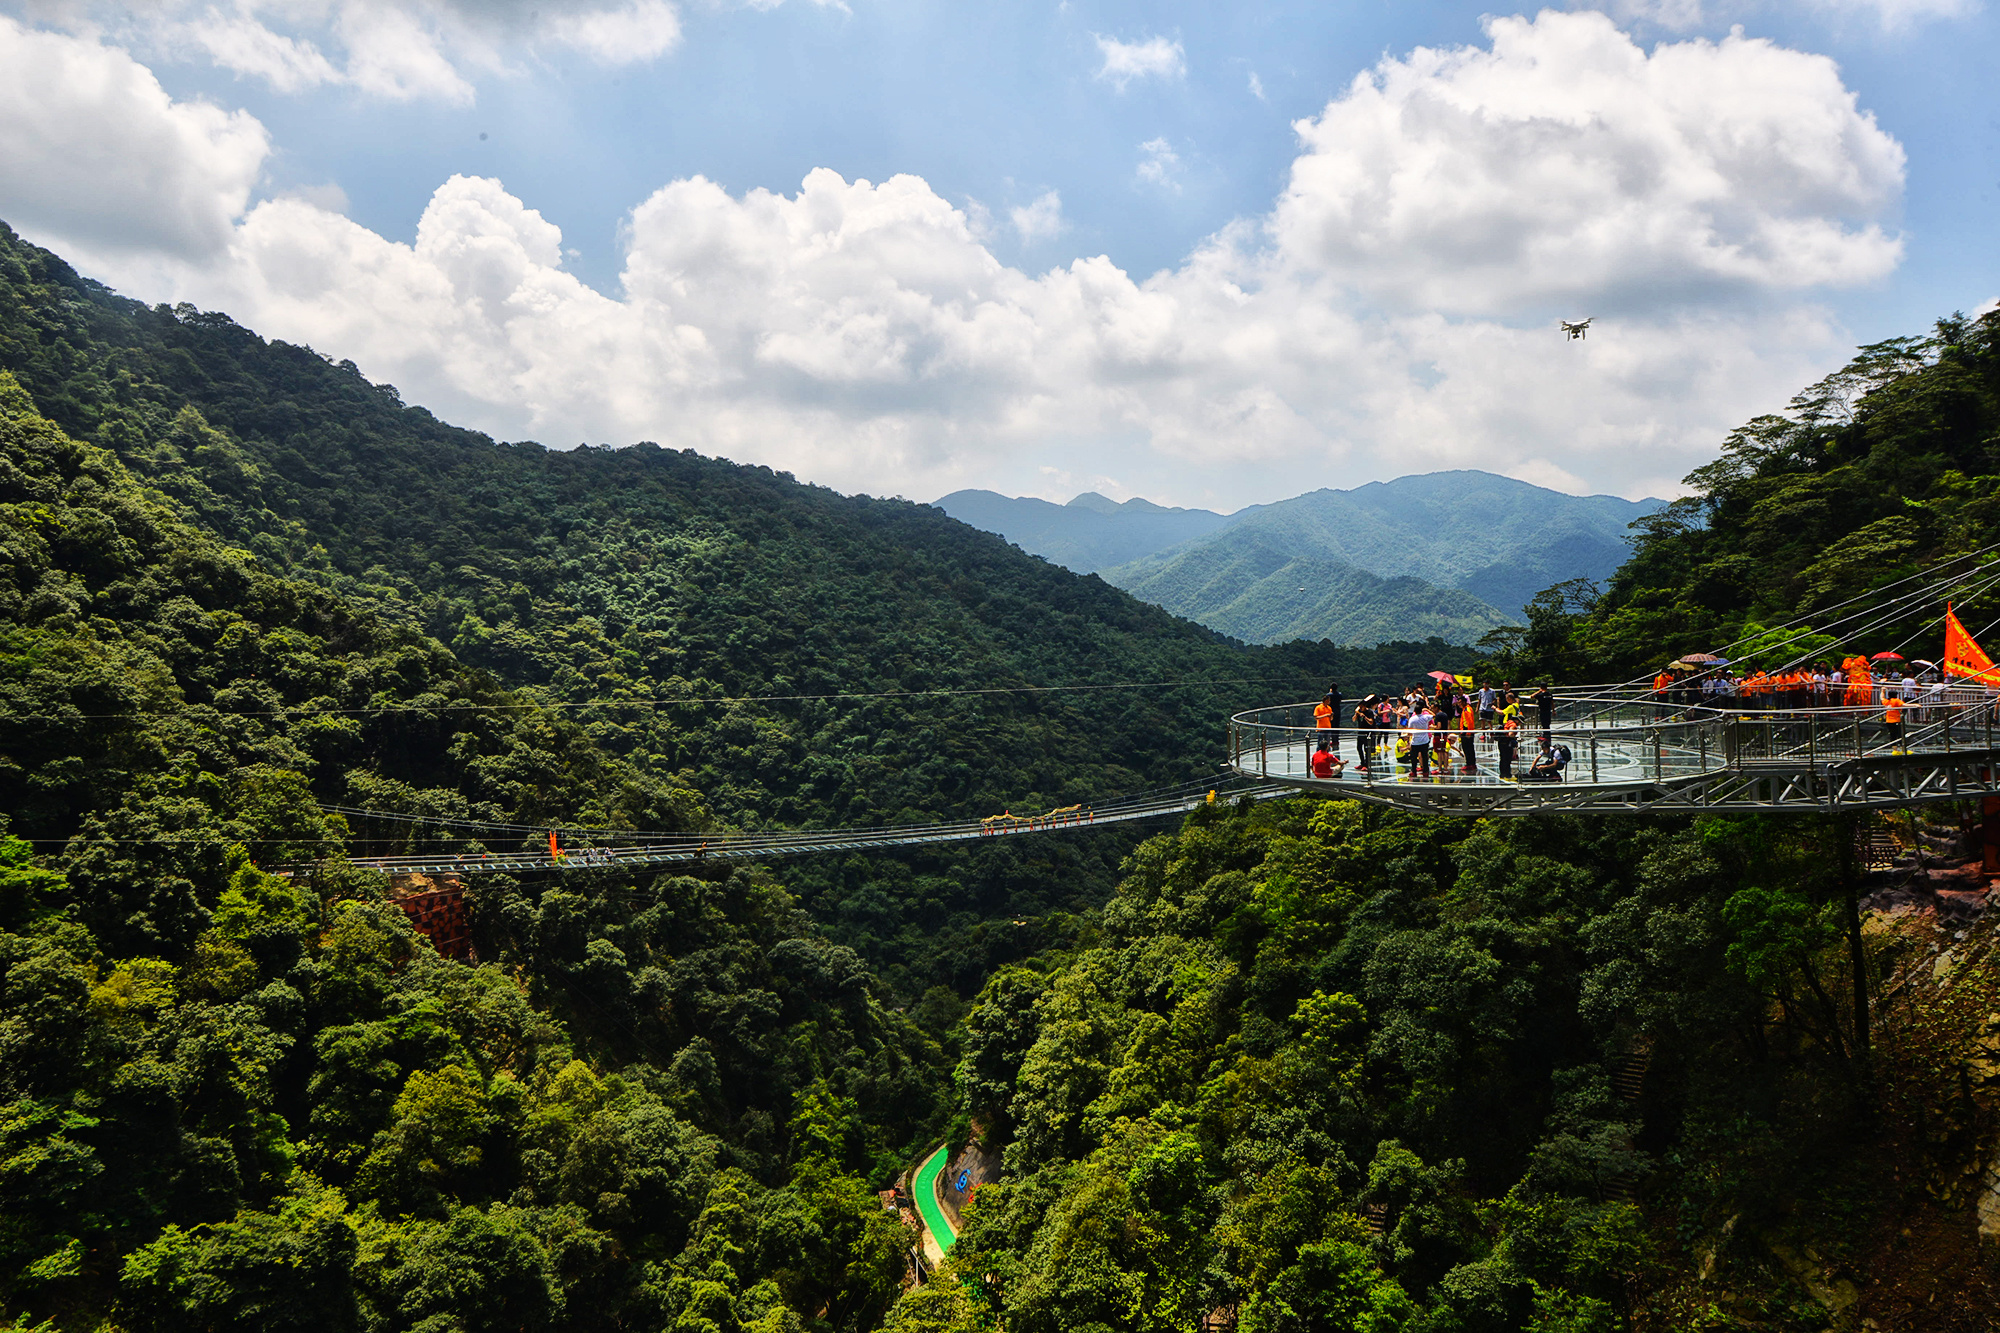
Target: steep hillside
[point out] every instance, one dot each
(230, 1100)
(798, 656)
(1330, 1068)
(1498, 540)
(1263, 593)
(1089, 534)
(1338, 1069)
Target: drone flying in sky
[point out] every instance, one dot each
(1575, 331)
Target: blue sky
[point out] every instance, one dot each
(1372, 298)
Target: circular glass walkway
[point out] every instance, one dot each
(1629, 749)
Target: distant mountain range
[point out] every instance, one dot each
(1448, 553)
(1090, 534)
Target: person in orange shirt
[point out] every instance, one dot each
(1468, 725)
(1892, 719)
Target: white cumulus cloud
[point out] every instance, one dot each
(1393, 312)
(245, 46)
(641, 31)
(1041, 220)
(1563, 164)
(93, 151)
(1154, 58)
(394, 54)
(396, 50)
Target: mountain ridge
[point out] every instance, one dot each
(1453, 553)
(1088, 535)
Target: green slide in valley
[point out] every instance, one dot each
(928, 1207)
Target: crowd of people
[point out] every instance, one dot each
(1855, 683)
(1428, 733)
(1413, 735)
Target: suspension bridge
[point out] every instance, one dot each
(580, 849)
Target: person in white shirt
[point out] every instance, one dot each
(1419, 727)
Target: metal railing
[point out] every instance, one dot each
(1633, 736)
(621, 851)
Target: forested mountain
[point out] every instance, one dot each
(242, 585)
(1495, 540)
(1089, 534)
(1325, 1068)
(1265, 593)
(1297, 1066)
(232, 1100)
(799, 657)
(1452, 554)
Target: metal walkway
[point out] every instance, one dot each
(1629, 751)
(621, 851)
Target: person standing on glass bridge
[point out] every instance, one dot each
(1545, 711)
(1468, 731)
(1507, 740)
(1419, 727)
(1364, 734)
(1892, 718)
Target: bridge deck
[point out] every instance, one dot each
(616, 851)
(1630, 752)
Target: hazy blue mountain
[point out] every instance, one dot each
(1445, 553)
(1089, 534)
(1498, 539)
(1266, 594)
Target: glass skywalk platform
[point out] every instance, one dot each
(1630, 750)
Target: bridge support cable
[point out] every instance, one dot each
(685, 849)
(1974, 582)
(1969, 589)
(1876, 614)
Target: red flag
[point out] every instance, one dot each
(1962, 654)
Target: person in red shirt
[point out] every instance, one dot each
(1325, 763)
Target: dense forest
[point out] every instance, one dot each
(1296, 1065)
(662, 599)
(1326, 1068)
